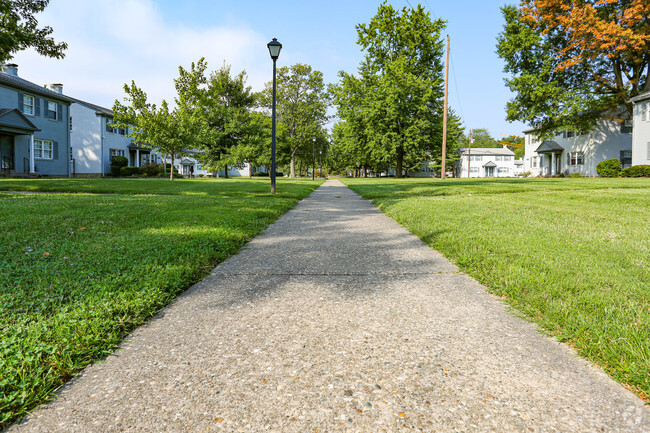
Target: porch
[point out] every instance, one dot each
(16, 143)
(550, 153)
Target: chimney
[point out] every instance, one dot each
(58, 88)
(10, 69)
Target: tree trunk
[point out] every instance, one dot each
(226, 171)
(171, 171)
(300, 169)
(292, 170)
(400, 162)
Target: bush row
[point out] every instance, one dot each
(612, 168)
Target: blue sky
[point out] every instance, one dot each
(112, 42)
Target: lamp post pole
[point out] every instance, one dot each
(321, 163)
(274, 49)
(313, 157)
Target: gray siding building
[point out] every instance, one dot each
(34, 126)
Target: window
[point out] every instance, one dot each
(504, 170)
(117, 152)
(648, 156)
(43, 149)
(52, 110)
(626, 158)
(645, 112)
(499, 158)
(473, 169)
(569, 134)
(109, 128)
(474, 158)
(533, 162)
(575, 158)
(28, 104)
(626, 129)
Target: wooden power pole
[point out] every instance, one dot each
(444, 118)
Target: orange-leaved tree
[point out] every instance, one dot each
(574, 59)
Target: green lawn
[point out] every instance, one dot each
(79, 271)
(573, 255)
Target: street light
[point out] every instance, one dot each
(274, 50)
(313, 157)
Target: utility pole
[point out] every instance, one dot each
(313, 157)
(444, 118)
(469, 154)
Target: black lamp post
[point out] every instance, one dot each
(274, 49)
(313, 157)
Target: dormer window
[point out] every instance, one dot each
(28, 104)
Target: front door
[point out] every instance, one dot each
(489, 171)
(7, 152)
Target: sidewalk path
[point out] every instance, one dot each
(337, 319)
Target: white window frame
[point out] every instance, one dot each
(533, 162)
(576, 158)
(43, 149)
(26, 98)
(117, 152)
(55, 111)
(498, 158)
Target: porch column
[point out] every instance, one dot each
(32, 168)
(553, 168)
(137, 157)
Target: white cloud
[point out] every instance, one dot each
(111, 42)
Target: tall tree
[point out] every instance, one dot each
(399, 88)
(226, 103)
(572, 61)
(19, 30)
(302, 103)
(170, 131)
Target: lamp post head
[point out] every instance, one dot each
(274, 48)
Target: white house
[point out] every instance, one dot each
(573, 152)
(485, 162)
(190, 164)
(641, 133)
(94, 142)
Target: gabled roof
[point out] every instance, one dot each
(28, 86)
(489, 164)
(487, 151)
(98, 109)
(549, 146)
(15, 121)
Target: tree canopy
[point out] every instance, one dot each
(302, 102)
(392, 111)
(571, 62)
(19, 30)
(169, 130)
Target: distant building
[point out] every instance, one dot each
(641, 133)
(485, 162)
(573, 152)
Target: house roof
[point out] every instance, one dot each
(15, 121)
(641, 97)
(489, 164)
(519, 162)
(487, 151)
(98, 109)
(17, 82)
(549, 146)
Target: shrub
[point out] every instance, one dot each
(609, 168)
(130, 171)
(574, 175)
(117, 162)
(636, 171)
(279, 174)
(152, 170)
(260, 174)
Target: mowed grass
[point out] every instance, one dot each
(79, 271)
(573, 255)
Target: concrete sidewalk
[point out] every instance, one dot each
(338, 319)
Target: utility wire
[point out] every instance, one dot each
(453, 73)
